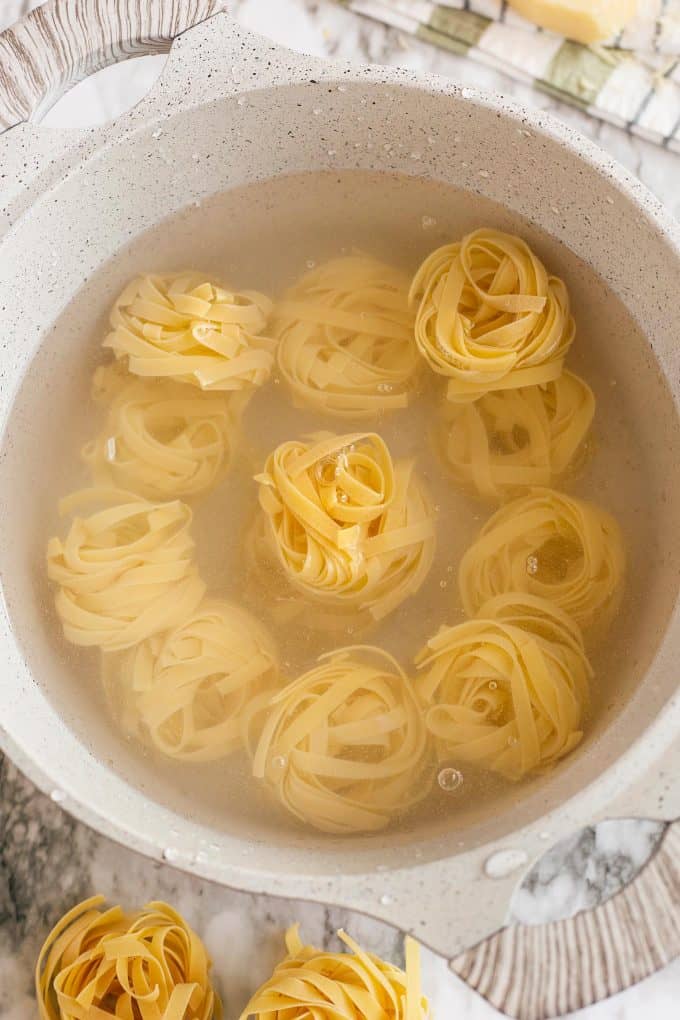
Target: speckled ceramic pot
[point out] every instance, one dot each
(234, 109)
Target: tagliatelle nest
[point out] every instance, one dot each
(311, 984)
(185, 691)
(184, 327)
(162, 439)
(124, 572)
(343, 746)
(508, 690)
(517, 439)
(349, 527)
(148, 965)
(548, 544)
(345, 334)
(489, 316)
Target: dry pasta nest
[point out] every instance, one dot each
(511, 440)
(124, 572)
(345, 334)
(548, 544)
(344, 747)
(107, 963)
(184, 327)
(506, 691)
(185, 691)
(348, 526)
(312, 984)
(161, 439)
(489, 316)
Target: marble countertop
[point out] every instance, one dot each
(48, 861)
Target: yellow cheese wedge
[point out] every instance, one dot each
(587, 21)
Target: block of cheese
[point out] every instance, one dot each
(587, 21)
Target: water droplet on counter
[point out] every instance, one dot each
(504, 862)
(58, 796)
(331, 152)
(450, 779)
(157, 133)
(317, 111)
(610, 200)
(170, 855)
(386, 900)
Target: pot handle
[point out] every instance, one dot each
(64, 41)
(545, 971)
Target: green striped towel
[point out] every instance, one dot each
(632, 81)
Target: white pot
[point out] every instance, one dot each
(72, 199)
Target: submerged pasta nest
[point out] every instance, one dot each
(161, 439)
(185, 691)
(346, 338)
(489, 316)
(126, 571)
(106, 963)
(506, 691)
(312, 984)
(515, 439)
(547, 544)
(348, 526)
(344, 746)
(184, 327)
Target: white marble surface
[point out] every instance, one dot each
(48, 861)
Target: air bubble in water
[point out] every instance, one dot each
(450, 779)
(279, 762)
(310, 263)
(532, 565)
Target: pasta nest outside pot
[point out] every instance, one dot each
(345, 334)
(184, 327)
(348, 526)
(312, 984)
(344, 746)
(106, 963)
(506, 691)
(489, 316)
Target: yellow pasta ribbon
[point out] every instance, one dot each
(516, 439)
(506, 691)
(311, 984)
(184, 327)
(565, 550)
(163, 440)
(126, 571)
(185, 691)
(344, 747)
(98, 964)
(489, 316)
(349, 527)
(345, 335)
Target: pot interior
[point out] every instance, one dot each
(262, 234)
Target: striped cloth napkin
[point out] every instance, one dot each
(632, 81)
